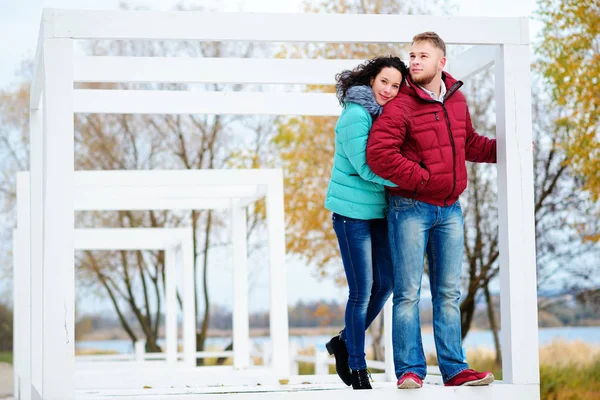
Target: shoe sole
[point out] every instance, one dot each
(489, 378)
(409, 384)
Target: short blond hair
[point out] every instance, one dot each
(432, 38)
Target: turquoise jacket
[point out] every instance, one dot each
(354, 190)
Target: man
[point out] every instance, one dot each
(421, 143)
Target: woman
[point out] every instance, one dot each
(356, 196)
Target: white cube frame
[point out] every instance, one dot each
(157, 190)
(178, 247)
(502, 42)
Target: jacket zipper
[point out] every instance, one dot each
(449, 93)
(453, 154)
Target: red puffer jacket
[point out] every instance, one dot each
(421, 145)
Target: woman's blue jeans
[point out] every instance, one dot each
(366, 256)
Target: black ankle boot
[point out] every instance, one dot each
(337, 348)
(361, 379)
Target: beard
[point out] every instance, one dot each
(423, 79)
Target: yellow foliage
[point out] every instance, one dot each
(570, 63)
(306, 144)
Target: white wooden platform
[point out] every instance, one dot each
(331, 391)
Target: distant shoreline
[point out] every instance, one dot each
(118, 334)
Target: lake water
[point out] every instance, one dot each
(475, 339)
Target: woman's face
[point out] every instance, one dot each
(386, 85)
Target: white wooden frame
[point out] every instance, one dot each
(177, 244)
(141, 190)
(504, 42)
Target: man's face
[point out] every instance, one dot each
(426, 61)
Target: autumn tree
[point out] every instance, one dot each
(569, 61)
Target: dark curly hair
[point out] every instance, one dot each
(362, 74)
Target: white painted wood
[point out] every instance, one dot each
(241, 323)
(331, 391)
(278, 298)
(35, 96)
(130, 238)
(212, 26)
(138, 196)
(388, 346)
(58, 291)
(187, 102)
(472, 61)
(175, 178)
(18, 319)
(516, 217)
(293, 354)
(171, 304)
(110, 361)
(140, 350)
(169, 239)
(22, 291)
(320, 361)
(35, 246)
(189, 302)
(210, 70)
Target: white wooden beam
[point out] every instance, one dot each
(129, 238)
(472, 61)
(187, 102)
(174, 178)
(390, 370)
(278, 316)
(189, 300)
(241, 323)
(35, 233)
(518, 294)
(333, 28)
(210, 70)
(171, 304)
(56, 197)
(37, 82)
(22, 292)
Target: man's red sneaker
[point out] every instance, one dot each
(409, 381)
(470, 377)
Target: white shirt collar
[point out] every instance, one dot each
(433, 95)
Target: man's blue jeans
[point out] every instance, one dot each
(366, 256)
(416, 228)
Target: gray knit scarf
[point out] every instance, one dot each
(363, 95)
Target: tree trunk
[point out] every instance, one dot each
(201, 337)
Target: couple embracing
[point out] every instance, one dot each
(401, 146)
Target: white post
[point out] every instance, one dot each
(516, 217)
(390, 371)
(52, 229)
(171, 304)
(140, 351)
(22, 292)
(293, 361)
(278, 300)
(321, 358)
(241, 325)
(267, 353)
(189, 302)
(19, 325)
(35, 240)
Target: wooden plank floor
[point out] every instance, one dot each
(381, 391)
